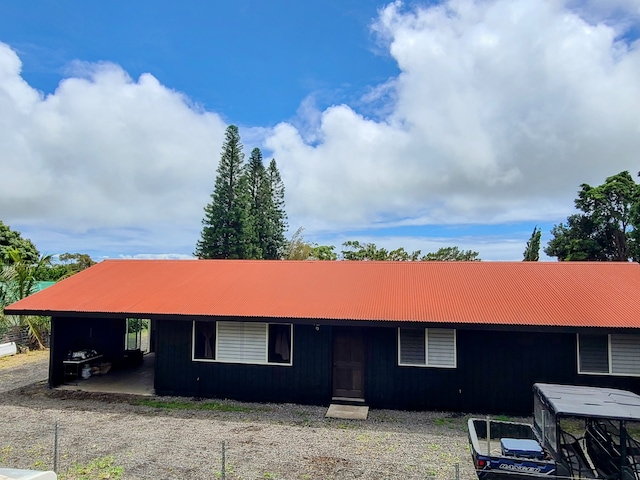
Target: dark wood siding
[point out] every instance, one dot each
(495, 372)
(392, 386)
(498, 369)
(306, 381)
(495, 369)
(105, 335)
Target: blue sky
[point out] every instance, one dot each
(250, 61)
(419, 125)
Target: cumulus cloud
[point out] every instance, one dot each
(501, 110)
(104, 151)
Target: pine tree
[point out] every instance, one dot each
(226, 231)
(532, 252)
(260, 202)
(275, 216)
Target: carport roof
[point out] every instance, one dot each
(564, 294)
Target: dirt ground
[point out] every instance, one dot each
(24, 369)
(103, 436)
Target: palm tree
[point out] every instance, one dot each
(17, 281)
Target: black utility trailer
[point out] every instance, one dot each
(578, 433)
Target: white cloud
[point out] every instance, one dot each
(501, 110)
(104, 151)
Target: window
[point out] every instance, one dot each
(614, 354)
(428, 347)
(544, 421)
(243, 342)
(204, 340)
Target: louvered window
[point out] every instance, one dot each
(428, 347)
(614, 354)
(242, 342)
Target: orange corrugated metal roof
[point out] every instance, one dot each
(595, 294)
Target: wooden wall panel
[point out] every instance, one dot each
(306, 381)
(495, 369)
(495, 372)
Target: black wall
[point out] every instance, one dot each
(307, 381)
(495, 370)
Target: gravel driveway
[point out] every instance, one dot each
(276, 441)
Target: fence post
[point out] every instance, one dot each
(457, 471)
(55, 448)
(224, 467)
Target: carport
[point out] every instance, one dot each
(118, 359)
(133, 380)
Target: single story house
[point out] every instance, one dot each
(456, 336)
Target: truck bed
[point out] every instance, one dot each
(492, 463)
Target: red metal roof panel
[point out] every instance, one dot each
(590, 294)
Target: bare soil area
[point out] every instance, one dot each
(24, 369)
(129, 437)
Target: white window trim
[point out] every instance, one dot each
(266, 360)
(610, 373)
(426, 351)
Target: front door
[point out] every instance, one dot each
(348, 363)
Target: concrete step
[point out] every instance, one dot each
(348, 412)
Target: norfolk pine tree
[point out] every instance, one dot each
(260, 203)
(275, 215)
(226, 231)
(532, 251)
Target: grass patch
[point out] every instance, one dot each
(347, 426)
(444, 422)
(183, 405)
(103, 468)
(503, 418)
(5, 452)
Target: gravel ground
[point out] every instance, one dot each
(276, 441)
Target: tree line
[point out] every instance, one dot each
(607, 227)
(246, 218)
(299, 249)
(14, 249)
(22, 267)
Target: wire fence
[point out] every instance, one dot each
(55, 448)
(87, 455)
